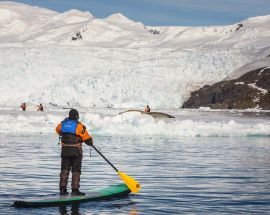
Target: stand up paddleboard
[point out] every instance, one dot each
(156, 115)
(105, 193)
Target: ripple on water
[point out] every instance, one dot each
(190, 176)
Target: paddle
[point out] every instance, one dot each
(132, 184)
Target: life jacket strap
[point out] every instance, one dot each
(72, 145)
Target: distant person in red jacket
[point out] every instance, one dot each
(147, 109)
(40, 107)
(23, 106)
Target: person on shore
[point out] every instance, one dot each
(72, 133)
(23, 106)
(147, 109)
(40, 107)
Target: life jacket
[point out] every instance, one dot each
(69, 137)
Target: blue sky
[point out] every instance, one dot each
(165, 12)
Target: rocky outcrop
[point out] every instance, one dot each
(77, 37)
(252, 90)
(240, 25)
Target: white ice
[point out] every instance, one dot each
(188, 123)
(116, 62)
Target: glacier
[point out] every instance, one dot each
(72, 59)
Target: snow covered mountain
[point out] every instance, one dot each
(74, 59)
(22, 23)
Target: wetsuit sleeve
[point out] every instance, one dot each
(58, 128)
(83, 133)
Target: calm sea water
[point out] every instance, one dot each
(213, 175)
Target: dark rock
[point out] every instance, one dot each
(240, 25)
(77, 37)
(249, 91)
(153, 31)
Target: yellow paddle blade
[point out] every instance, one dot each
(132, 184)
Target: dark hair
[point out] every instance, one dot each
(73, 114)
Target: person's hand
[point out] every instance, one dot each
(89, 142)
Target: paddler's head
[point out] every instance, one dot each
(73, 114)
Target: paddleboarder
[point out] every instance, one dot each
(23, 106)
(72, 133)
(40, 107)
(147, 109)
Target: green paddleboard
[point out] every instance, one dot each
(105, 193)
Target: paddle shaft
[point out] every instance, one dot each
(105, 158)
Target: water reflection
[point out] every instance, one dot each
(133, 212)
(105, 206)
(70, 210)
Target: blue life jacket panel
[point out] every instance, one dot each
(69, 126)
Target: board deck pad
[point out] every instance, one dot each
(104, 193)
